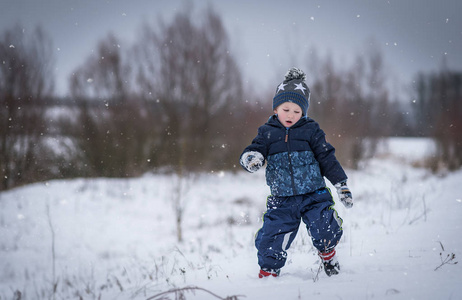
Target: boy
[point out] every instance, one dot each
(298, 157)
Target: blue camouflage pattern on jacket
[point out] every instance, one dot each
(298, 158)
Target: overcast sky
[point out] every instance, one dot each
(267, 37)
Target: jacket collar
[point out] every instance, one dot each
(274, 121)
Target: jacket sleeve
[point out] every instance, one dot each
(325, 155)
(258, 144)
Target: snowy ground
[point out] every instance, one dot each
(116, 239)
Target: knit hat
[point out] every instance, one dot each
(293, 89)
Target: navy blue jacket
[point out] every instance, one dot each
(297, 157)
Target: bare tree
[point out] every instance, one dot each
(112, 122)
(26, 83)
(195, 86)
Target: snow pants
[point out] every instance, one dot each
(282, 220)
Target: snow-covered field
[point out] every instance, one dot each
(117, 239)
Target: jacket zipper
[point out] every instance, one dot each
(290, 162)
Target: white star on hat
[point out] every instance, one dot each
(281, 87)
(299, 86)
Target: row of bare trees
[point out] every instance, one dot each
(175, 101)
(172, 99)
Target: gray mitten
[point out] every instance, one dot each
(252, 161)
(344, 194)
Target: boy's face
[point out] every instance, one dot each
(288, 113)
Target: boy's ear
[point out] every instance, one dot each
(275, 112)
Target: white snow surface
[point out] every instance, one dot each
(116, 238)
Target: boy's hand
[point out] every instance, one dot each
(252, 161)
(344, 194)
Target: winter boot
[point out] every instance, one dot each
(265, 272)
(330, 263)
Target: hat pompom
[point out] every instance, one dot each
(294, 73)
